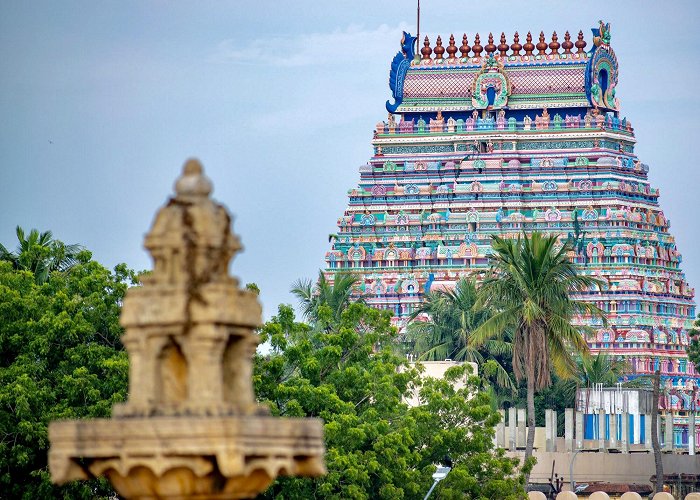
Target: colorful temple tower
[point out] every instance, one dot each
(500, 139)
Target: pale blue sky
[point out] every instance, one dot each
(103, 101)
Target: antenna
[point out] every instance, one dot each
(418, 29)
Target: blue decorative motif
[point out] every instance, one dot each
(398, 150)
(368, 220)
(549, 186)
(399, 67)
(590, 214)
(554, 145)
(411, 189)
(601, 70)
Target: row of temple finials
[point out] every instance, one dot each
(503, 47)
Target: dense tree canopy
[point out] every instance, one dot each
(529, 285)
(40, 254)
(60, 357)
(442, 326)
(345, 371)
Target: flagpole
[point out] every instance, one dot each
(418, 29)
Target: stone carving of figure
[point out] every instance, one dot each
(501, 120)
(600, 120)
(392, 123)
(587, 120)
(557, 121)
(437, 124)
(406, 126)
(470, 123)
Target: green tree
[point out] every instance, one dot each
(451, 319)
(60, 357)
(346, 372)
(40, 254)
(336, 295)
(529, 285)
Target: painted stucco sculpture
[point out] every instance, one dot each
(502, 139)
(191, 427)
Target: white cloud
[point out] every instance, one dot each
(338, 46)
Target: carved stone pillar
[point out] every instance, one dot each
(191, 427)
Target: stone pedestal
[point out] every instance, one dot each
(191, 427)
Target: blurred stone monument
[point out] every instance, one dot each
(191, 427)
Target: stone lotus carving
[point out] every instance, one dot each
(191, 427)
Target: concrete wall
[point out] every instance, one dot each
(591, 466)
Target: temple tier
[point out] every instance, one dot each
(503, 139)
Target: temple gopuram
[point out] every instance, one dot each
(505, 138)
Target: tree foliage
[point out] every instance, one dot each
(529, 285)
(334, 295)
(60, 357)
(345, 371)
(40, 254)
(451, 318)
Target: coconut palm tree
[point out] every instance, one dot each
(529, 285)
(450, 321)
(600, 369)
(336, 295)
(40, 254)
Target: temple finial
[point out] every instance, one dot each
(490, 47)
(529, 46)
(567, 45)
(541, 45)
(554, 44)
(192, 184)
(451, 48)
(503, 46)
(516, 47)
(580, 43)
(439, 49)
(465, 48)
(426, 50)
(477, 48)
